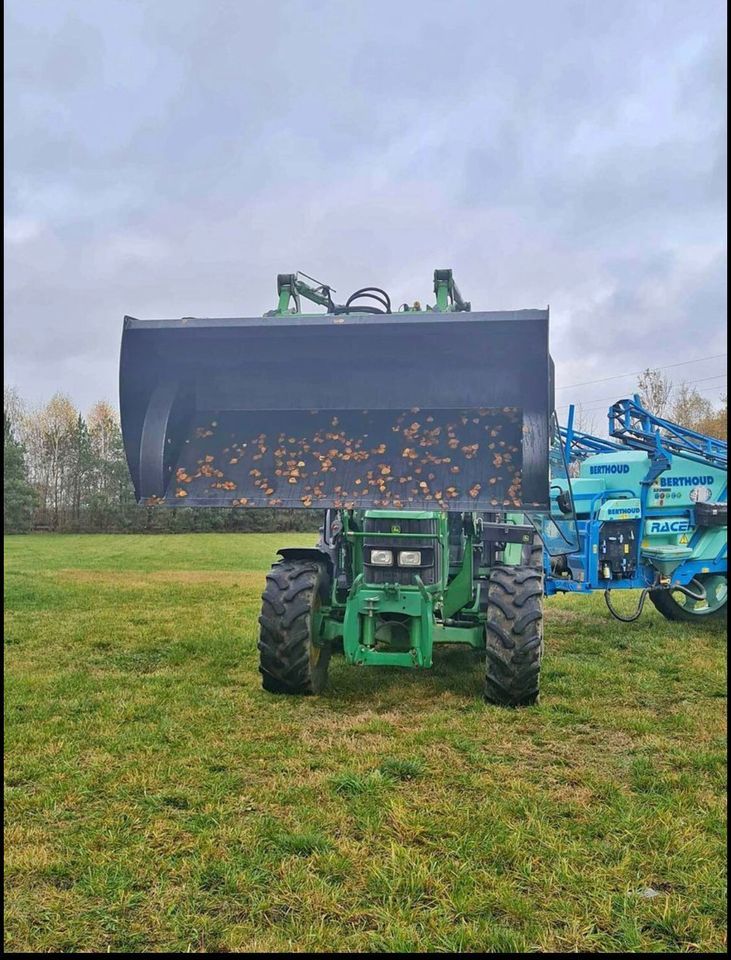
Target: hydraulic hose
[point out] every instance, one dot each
(689, 593)
(635, 615)
(371, 293)
(643, 596)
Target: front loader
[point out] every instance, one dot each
(423, 434)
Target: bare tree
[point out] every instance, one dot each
(53, 431)
(111, 487)
(14, 406)
(584, 420)
(103, 427)
(655, 391)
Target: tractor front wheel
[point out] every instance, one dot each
(514, 636)
(290, 658)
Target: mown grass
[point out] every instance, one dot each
(156, 799)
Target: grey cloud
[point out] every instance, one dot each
(170, 158)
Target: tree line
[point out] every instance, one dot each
(65, 471)
(680, 403)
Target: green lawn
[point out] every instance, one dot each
(156, 799)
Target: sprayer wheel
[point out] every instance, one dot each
(289, 659)
(514, 636)
(678, 606)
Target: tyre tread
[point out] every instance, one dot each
(514, 636)
(285, 624)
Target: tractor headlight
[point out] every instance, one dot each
(382, 558)
(409, 558)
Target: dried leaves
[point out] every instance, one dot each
(425, 458)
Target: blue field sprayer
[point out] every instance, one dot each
(644, 509)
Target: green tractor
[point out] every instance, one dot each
(423, 434)
(386, 585)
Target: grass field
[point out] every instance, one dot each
(156, 799)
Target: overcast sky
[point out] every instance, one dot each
(169, 157)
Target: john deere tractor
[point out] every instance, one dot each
(424, 435)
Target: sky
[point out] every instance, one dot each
(169, 158)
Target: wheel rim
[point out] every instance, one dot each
(315, 654)
(315, 620)
(716, 593)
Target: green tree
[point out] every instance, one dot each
(690, 409)
(716, 425)
(18, 496)
(53, 431)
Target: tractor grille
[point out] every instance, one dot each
(377, 530)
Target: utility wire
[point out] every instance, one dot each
(603, 407)
(591, 400)
(719, 376)
(599, 405)
(580, 408)
(634, 373)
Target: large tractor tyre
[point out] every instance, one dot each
(533, 553)
(514, 636)
(289, 660)
(674, 605)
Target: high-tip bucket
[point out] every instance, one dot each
(407, 411)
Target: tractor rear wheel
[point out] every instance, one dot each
(514, 636)
(675, 605)
(290, 659)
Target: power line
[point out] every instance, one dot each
(601, 404)
(581, 408)
(601, 407)
(634, 373)
(592, 400)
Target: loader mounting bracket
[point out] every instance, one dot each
(507, 533)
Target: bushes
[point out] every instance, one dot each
(100, 518)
